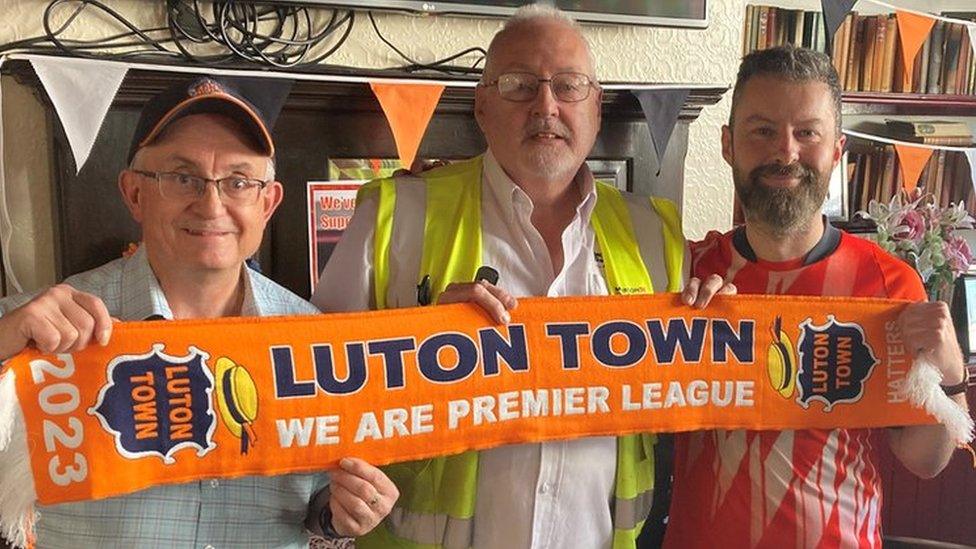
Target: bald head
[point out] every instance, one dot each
(539, 19)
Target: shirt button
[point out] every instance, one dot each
(545, 488)
(208, 547)
(213, 484)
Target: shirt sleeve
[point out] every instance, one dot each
(901, 281)
(346, 283)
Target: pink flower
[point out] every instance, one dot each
(957, 253)
(911, 226)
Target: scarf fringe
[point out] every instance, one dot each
(17, 494)
(922, 389)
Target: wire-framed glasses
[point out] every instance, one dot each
(569, 87)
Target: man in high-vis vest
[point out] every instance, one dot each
(529, 208)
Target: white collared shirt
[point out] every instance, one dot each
(549, 495)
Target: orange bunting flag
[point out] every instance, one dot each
(913, 30)
(172, 402)
(912, 161)
(408, 108)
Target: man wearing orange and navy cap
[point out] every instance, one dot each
(201, 184)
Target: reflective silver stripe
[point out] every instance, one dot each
(406, 244)
(431, 529)
(628, 513)
(649, 232)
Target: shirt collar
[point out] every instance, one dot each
(143, 298)
(828, 242)
(506, 193)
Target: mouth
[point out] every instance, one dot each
(787, 180)
(545, 136)
(206, 233)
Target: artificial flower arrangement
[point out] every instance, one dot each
(915, 228)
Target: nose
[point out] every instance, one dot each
(545, 103)
(787, 148)
(210, 202)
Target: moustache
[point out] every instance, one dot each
(554, 127)
(795, 170)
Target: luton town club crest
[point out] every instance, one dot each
(157, 404)
(835, 362)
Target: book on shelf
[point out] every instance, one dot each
(875, 174)
(866, 49)
(926, 128)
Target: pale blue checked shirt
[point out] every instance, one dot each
(247, 512)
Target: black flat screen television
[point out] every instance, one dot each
(964, 314)
(671, 13)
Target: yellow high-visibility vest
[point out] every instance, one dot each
(437, 496)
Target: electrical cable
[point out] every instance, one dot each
(229, 32)
(439, 65)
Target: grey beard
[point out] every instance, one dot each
(782, 211)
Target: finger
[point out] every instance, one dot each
(344, 522)
(371, 474)
(478, 294)
(359, 487)
(45, 335)
(506, 299)
(75, 318)
(728, 289)
(690, 292)
(95, 307)
(708, 289)
(355, 507)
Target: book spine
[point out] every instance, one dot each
(870, 41)
(763, 33)
(890, 51)
(747, 31)
(935, 58)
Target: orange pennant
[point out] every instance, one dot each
(913, 30)
(408, 109)
(913, 161)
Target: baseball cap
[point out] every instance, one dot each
(255, 103)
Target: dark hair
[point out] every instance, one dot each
(789, 63)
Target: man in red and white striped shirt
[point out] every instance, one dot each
(805, 488)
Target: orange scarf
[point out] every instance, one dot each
(171, 402)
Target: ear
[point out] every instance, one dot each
(839, 148)
(599, 107)
(132, 194)
(479, 106)
(271, 199)
(727, 144)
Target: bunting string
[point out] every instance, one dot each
(891, 141)
(893, 7)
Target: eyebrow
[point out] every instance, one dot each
(521, 67)
(761, 118)
(184, 162)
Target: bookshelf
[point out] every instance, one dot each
(867, 55)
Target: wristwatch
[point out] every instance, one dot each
(960, 387)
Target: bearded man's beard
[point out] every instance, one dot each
(781, 210)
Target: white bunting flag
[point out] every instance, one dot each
(82, 91)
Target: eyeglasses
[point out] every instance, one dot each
(235, 189)
(569, 87)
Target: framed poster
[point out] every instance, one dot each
(330, 207)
